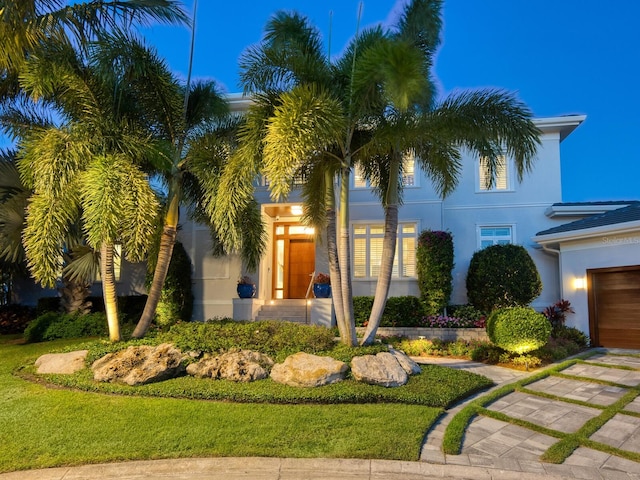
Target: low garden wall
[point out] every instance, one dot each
(448, 334)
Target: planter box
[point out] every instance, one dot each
(448, 334)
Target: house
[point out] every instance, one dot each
(599, 263)
(509, 212)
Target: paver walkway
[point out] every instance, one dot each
(494, 443)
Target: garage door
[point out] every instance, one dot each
(614, 307)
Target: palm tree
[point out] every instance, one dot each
(27, 25)
(485, 122)
(86, 169)
(306, 116)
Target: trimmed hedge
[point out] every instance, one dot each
(502, 276)
(406, 311)
(434, 261)
(518, 329)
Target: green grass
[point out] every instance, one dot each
(45, 427)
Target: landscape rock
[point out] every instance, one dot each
(306, 370)
(409, 366)
(71, 362)
(238, 365)
(381, 369)
(139, 365)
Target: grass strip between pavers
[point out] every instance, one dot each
(561, 450)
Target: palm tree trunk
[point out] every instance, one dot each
(332, 248)
(388, 253)
(344, 260)
(109, 291)
(167, 241)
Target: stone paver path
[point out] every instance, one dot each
(493, 443)
(553, 414)
(594, 393)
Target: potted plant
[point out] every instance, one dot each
(322, 286)
(246, 288)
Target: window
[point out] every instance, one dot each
(501, 180)
(498, 235)
(409, 178)
(367, 250)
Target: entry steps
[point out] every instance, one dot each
(295, 311)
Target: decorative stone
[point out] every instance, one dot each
(306, 370)
(238, 365)
(65, 363)
(409, 366)
(139, 365)
(382, 369)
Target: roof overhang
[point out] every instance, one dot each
(582, 210)
(588, 233)
(563, 125)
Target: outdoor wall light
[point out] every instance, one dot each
(579, 283)
(296, 209)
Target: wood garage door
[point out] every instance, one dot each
(614, 307)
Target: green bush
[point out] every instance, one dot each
(53, 325)
(571, 334)
(176, 298)
(362, 306)
(434, 262)
(269, 337)
(502, 276)
(14, 318)
(405, 311)
(518, 329)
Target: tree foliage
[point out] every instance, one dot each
(502, 276)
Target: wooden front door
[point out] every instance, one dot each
(614, 307)
(294, 261)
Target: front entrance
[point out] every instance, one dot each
(294, 260)
(614, 307)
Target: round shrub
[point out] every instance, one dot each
(518, 329)
(502, 276)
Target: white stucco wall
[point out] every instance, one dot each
(601, 251)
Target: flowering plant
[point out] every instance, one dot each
(245, 280)
(322, 278)
(441, 321)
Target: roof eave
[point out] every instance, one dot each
(586, 233)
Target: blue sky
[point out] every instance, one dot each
(561, 57)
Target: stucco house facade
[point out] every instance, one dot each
(512, 211)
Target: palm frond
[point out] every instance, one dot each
(306, 122)
(421, 24)
(84, 265)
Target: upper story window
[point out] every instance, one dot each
(495, 235)
(367, 250)
(409, 177)
(501, 180)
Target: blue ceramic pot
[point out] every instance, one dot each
(322, 290)
(246, 290)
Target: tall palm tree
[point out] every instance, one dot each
(86, 167)
(306, 116)
(485, 122)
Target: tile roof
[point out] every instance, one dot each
(630, 213)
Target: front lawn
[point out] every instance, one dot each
(44, 427)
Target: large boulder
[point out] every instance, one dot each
(381, 369)
(306, 370)
(71, 362)
(409, 366)
(138, 365)
(237, 365)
